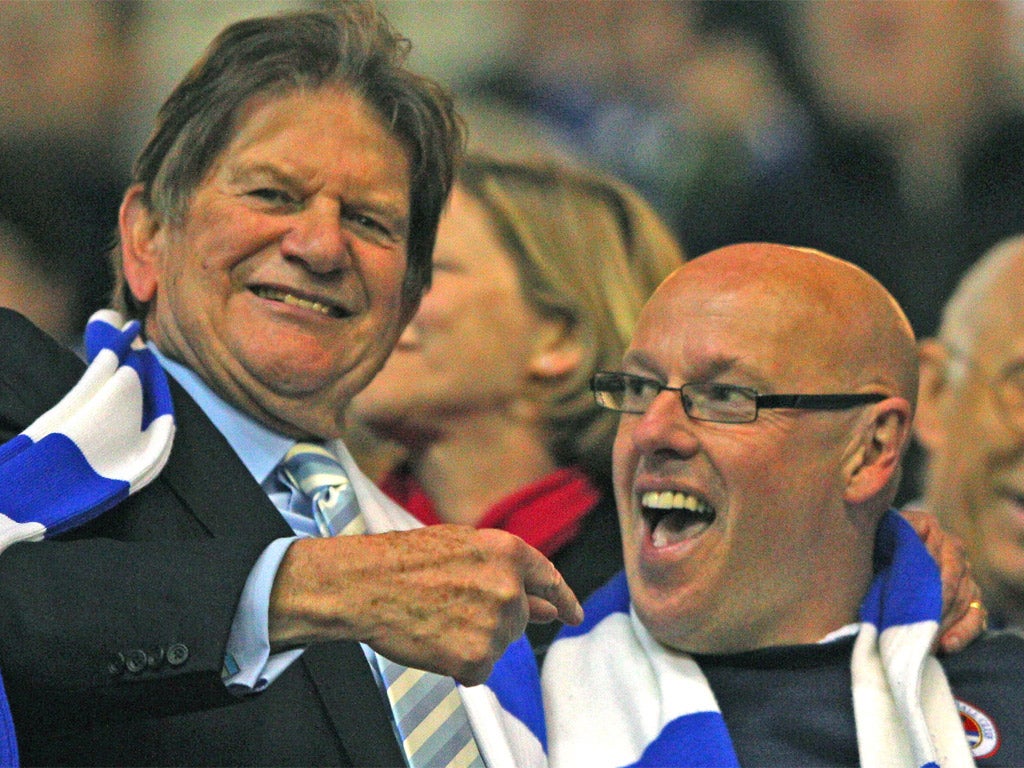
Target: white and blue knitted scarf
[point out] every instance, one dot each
(112, 434)
(613, 696)
(106, 439)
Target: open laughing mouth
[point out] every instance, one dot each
(675, 516)
(303, 302)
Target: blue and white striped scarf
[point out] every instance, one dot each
(112, 434)
(613, 696)
(106, 439)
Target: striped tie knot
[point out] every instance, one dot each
(314, 472)
(428, 709)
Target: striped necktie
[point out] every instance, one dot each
(429, 713)
(314, 472)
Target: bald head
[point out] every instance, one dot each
(827, 318)
(987, 299)
(791, 496)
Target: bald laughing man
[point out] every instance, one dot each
(766, 403)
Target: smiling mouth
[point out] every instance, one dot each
(675, 516)
(285, 297)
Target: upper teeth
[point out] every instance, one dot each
(672, 500)
(275, 295)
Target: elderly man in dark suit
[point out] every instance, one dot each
(274, 243)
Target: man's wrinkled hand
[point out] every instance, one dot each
(444, 598)
(964, 616)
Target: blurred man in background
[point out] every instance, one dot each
(971, 423)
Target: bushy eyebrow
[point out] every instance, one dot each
(638, 358)
(247, 174)
(392, 212)
(733, 368)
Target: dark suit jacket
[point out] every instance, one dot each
(112, 638)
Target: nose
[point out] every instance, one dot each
(317, 237)
(665, 427)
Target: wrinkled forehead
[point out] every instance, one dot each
(757, 333)
(999, 322)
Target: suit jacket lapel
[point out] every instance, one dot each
(227, 501)
(366, 730)
(213, 482)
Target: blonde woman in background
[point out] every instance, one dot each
(539, 274)
(483, 414)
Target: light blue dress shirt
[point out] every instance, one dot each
(249, 666)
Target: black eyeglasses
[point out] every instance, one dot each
(725, 403)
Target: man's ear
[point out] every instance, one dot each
(874, 463)
(933, 387)
(139, 230)
(557, 350)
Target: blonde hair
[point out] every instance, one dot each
(589, 251)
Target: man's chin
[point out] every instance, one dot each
(297, 405)
(670, 622)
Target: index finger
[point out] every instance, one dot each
(542, 580)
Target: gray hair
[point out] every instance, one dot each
(962, 316)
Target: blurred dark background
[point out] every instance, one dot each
(888, 132)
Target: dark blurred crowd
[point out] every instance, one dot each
(66, 73)
(887, 133)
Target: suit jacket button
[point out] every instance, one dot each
(177, 654)
(155, 659)
(136, 661)
(116, 665)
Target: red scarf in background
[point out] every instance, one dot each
(546, 514)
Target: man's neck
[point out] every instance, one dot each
(259, 447)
